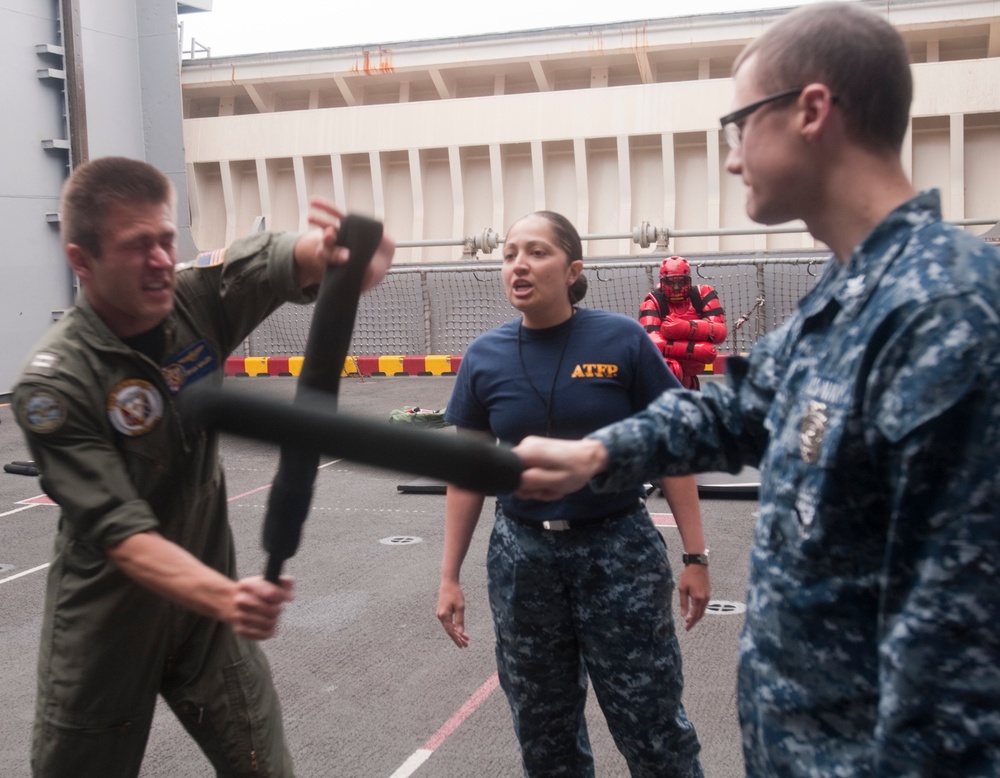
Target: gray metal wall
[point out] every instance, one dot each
(131, 82)
(34, 279)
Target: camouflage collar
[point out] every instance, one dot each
(873, 257)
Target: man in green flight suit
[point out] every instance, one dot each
(142, 596)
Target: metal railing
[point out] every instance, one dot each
(439, 309)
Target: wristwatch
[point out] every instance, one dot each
(695, 559)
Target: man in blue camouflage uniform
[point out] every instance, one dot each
(871, 644)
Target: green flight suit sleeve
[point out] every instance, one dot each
(256, 276)
(70, 441)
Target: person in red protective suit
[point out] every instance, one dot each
(684, 321)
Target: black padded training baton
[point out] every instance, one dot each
(326, 349)
(311, 426)
(467, 461)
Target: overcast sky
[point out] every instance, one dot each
(256, 26)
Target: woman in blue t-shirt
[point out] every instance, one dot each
(581, 586)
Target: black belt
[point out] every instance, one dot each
(559, 525)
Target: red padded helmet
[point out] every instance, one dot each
(675, 279)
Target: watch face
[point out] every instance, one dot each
(695, 559)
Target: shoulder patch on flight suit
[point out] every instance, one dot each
(42, 412)
(134, 407)
(44, 363)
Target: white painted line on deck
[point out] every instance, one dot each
(268, 486)
(46, 500)
(26, 572)
(16, 510)
(422, 754)
(26, 504)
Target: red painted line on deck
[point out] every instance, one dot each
(663, 519)
(268, 486)
(470, 706)
(42, 499)
(422, 754)
(247, 494)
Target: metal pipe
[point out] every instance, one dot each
(707, 233)
(76, 103)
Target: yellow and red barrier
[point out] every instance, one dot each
(386, 365)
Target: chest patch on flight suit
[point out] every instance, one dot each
(43, 412)
(134, 407)
(194, 362)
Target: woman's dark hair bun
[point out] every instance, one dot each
(578, 289)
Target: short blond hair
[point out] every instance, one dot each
(853, 51)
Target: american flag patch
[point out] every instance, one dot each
(210, 258)
(205, 259)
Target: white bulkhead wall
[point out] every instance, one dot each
(609, 158)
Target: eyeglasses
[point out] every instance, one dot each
(732, 124)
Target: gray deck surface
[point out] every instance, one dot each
(365, 672)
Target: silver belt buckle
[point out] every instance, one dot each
(556, 526)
